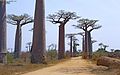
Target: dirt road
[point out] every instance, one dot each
(74, 66)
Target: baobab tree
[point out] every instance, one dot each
(71, 40)
(38, 50)
(75, 44)
(101, 45)
(3, 49)
(83, 40)
(87, 26)
(28, 46)
(62, 18)
(19, 21)
(105, 46)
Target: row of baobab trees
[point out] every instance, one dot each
(38, 49)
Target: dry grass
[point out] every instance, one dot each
(20, 68)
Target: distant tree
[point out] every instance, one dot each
(75, 44)
(38, 50)
(105, 46)
(29, 46)
(52, 52)
(112, 50)
(52, 47)
(87, 26)
(71, 40)
(101, 45)
(61, 17)
(83, 40)
(93, 41)
(19, 21)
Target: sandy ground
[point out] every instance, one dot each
(74, 66)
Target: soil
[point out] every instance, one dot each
(75, 66)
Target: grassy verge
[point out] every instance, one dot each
(17, 69)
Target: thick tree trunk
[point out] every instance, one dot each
(83, 43)
(38, 50)
(71, 46)
(3, 49)
(90, 46)
(84, 55)
(18, 37)
(61, 48)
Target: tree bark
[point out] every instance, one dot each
(71, 46)
(61, 48)
(84, 55)
(38, 50)
(3, 31)
(18, 37)
(83, 43)
(90, 46)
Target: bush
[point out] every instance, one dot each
(10, 58)
(99, 53)
(51, 55)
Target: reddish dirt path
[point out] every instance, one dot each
(74, 66)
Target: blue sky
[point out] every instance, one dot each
(106, 11)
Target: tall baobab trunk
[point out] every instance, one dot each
(71, 46)
(84, 55)
(18, 37)
(3, 31)
(61, 48)
(90, 46)
(38, 46)
(83, 43)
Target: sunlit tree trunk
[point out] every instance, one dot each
(61, 44)
(3, 37)
(38, 46)
(18, 37)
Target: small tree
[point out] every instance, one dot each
(19, 21)
(61, 17)
(87, 26)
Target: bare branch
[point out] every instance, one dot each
(62, 17)
(87, 25)
(22, 19)
(95, 27)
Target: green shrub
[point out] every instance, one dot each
(99, 53)
(10, 58)
(51, 55)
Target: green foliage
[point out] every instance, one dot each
(52, 55)
(117, 51)
(10, 58)
(100, 52)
